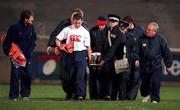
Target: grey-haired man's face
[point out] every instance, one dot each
(150, 31)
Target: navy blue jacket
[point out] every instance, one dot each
(152, 51)
(137, 31)
(116, 50)
(23, 36)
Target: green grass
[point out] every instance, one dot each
(51, 97)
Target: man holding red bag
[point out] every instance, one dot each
(15, 53)
(78, 47)
(19, 45)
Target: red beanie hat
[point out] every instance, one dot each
(101, 20)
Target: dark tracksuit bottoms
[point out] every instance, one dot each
(119, 86)
(22, 73)
(134, 77)
(76, 71)
(151, 82)
(96, 83)
(108, 70)
(133, 84)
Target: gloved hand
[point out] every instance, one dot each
(69, 48)
(17, 56)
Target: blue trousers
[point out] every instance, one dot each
(76, 73)
(22, 75)
(150, 84)
(133, 84)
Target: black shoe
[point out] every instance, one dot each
(68, 97)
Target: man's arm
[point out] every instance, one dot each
(168, 58)
(8, 40)
(89, 52)
(112, 50)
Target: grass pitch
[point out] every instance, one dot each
(51, 97)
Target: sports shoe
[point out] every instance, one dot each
(107, 97)
(145, 99)
(25, 98)
(154, 102)
(80, 98)
(13, 99)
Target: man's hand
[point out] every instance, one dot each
(102, 62)
(68, 48)
(168, 70)
(89, 52)
(136, 63)
(56, 51)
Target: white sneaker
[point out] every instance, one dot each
(145, 99)
(154, 102)
(13, 99)
(26, 98)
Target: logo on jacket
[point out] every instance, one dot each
(75, 38)
(144, 45)
(113, 35)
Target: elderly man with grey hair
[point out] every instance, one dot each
(153, 48)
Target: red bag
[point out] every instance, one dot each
(15, 53)
(69, 48)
